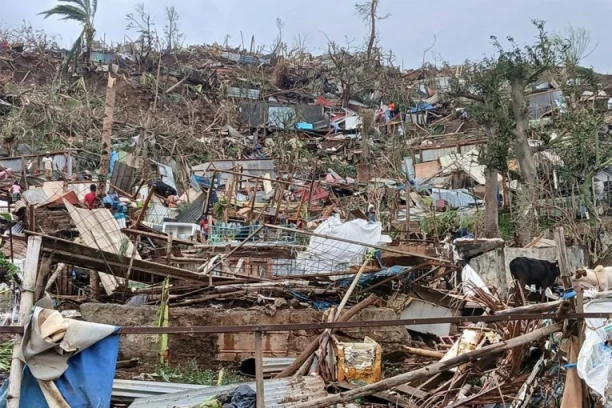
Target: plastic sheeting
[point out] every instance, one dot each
(325, 255)
(470, 278)
(88, 381)
(595, 358)
(456, 198)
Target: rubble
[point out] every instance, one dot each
(263, 209)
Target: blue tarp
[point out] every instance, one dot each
(88, 381)
(317, 304)
(422, 106)
(460, 198)
(370, 278)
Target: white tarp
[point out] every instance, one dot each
(595, 359)
(469, 277)
(326, 255)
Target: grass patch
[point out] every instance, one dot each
(6, 355)
(191, 373)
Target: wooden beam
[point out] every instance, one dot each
(92, 258)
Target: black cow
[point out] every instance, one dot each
(529, 271)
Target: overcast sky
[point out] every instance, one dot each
(461, 27)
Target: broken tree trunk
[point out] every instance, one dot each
(314, 345)
(430, 370)
(491, 229)
(27, 301)
(529, 192)
(107, 132)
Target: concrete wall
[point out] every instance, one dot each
(488, 265)
(205, 348)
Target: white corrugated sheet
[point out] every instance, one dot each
(98, 229)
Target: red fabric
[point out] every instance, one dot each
(90, 199)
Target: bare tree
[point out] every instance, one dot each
(278, 41)
(575, 44)
(142, 23)
(368, 13)
(173, 36)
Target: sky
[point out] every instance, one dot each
(458, 29)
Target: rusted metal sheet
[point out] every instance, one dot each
(360, 361)
(123, 176)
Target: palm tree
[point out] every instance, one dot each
(82, 11)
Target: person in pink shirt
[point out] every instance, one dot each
(16, 191)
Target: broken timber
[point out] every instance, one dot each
(72, 253)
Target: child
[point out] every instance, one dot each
(16, 191)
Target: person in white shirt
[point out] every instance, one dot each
(47, 163)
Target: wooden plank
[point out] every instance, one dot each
(84, 256)
(414, 392)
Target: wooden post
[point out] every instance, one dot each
(107, 131)
(27, 301)
(259, 375)
(408, 205)
(142, 213)
(562, 257)
(314, 345)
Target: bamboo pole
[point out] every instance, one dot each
(429, 370)
(314, 345)
(259, 374)
(145, 206)
(423, 352)
(27, 301)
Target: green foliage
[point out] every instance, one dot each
(219, 208)
(11, 269)
(506, 227)
(343, 169)
(448, 222)
(191, 373)
(6, 355)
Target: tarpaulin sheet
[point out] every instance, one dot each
(595, 359)
(456, 198)
(88, 381)
(325, 255)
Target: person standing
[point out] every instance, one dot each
(371, 214)
(47, 163)
(90, 198)
(16, 192)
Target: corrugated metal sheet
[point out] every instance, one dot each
(259, 113)
(35, 196)
(13, 164)
(194, 211)
(167, 174)
(271, 365)
(157, 212)
(435, 154)
(99, 230)
(123, 176)
(132, 389)
(282, 392)
(235, 92)
(249, 167)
